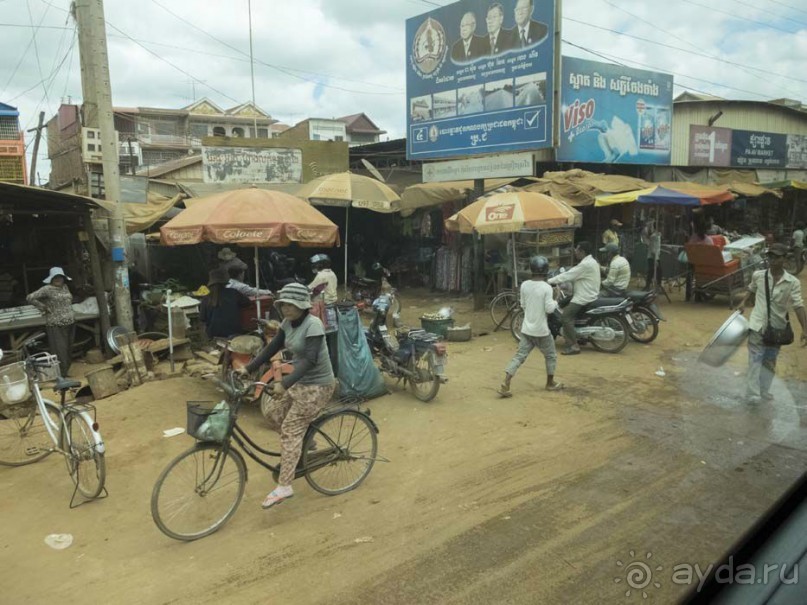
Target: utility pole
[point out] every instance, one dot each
(38, 131)
(97, 90)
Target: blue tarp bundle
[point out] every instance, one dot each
(358, 374)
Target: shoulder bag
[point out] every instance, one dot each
(775, 337)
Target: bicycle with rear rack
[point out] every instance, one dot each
(32, 427)
(200, 490)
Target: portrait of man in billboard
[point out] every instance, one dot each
(499, 40)
(528, 32)
(469, 46)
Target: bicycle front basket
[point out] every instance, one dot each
(208, 421)
(14, 383)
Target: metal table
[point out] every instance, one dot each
(20, 323)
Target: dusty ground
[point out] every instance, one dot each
(543, 498)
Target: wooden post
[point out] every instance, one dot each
(478, 254)
(97, 278)
(35, 152)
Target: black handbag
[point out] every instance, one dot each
(776, 337)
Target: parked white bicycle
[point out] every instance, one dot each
(32, 427)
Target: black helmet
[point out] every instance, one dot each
(320, 259)
(539, 265)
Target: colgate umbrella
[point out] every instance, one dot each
(250, 217)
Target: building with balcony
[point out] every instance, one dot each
(361, 130)
(12, 146)
(356, 129)
(147, 137)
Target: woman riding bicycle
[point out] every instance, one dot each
(301, 395)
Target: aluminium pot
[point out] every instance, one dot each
(725, 341)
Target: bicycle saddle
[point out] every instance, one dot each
(63, 384)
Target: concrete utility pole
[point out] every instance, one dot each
(95, 84)
(38, 131)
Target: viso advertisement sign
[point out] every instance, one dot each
(249, 165)
(479, 78)
(613, 114)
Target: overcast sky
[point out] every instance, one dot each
(328, 58)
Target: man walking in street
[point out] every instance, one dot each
(585, 276)
(538, 303)
(774, 291)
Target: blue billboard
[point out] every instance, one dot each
(479, 78)
(614, 115)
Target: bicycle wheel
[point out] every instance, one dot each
(198, 492)
(86, 465)
(501, 307)
(621, 332)
(339, 452)
(645, 326)
(23, 436)
(515, 324)
(423, 383)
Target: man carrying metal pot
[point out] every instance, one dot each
(774, 291)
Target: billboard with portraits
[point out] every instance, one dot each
(479, 78)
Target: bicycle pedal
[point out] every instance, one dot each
(32, 451)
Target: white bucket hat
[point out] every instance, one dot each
(55, 271)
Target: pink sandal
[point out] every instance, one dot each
(273, 499)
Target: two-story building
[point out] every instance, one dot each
(147, 137)
(12, 146)
(356, 129)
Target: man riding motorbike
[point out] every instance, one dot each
(585, 276)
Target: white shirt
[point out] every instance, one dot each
(798, 238)
(327, 277)
(786, 293)
(246, 289)
(586, 278)
(618, 273)
(537, 302)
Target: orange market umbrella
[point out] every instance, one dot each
(511, 212)
(250, 217)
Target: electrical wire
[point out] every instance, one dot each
(613, 57)
(793, 8)
(64, 58)
(283, 70)
(738, 17)
(771, 14)
(693, 45)
(678, 48)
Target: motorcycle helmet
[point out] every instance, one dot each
(539, 265)
(319, 261)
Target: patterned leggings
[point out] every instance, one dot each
(290, 416)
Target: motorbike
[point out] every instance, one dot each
(414, 356)
(605, 323)
(238, 351)
(364, 290)
(645, 314)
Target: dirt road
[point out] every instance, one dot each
(542, 498)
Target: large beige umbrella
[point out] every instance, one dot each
(346, 190)
(511, 212)
(251, 217)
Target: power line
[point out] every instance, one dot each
(22, 57)
(793, 8)
(677, 37)
(164, 60)
(24, 26)
(684, 50)
(773, 15)
(614, 57)
(44, 80)
(738, 17)
(36, 47)
(283, 70)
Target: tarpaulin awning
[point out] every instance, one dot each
(140, 217)
(426, 195)
(581, 188)
(785, 184)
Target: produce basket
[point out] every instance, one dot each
(436, 326)
(459, 333)
(208, 421)
(14, 383)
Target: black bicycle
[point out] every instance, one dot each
(200, 490)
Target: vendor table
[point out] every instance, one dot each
(20, 323)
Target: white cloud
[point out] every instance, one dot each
(358, 45)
